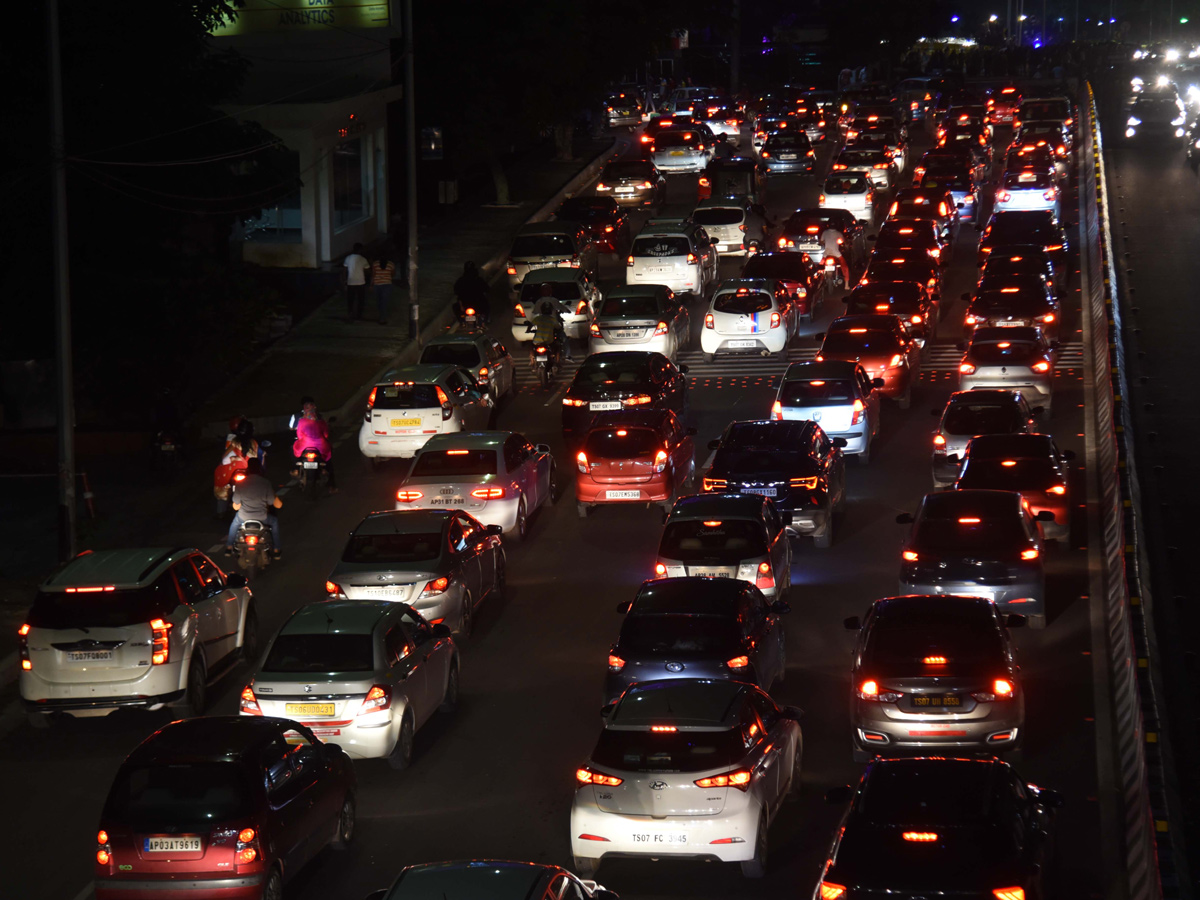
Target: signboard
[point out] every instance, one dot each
(264, 16)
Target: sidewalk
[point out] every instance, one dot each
(333, 359)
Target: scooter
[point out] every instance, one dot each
(311, 467)
(546, 359)
(253, 544)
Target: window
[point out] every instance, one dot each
(766, 709)
(277, 771)
(349, 177)
(512, 454)
(189, 581)
(458, 539)
(210, 576)
(395, 645)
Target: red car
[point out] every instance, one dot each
(640, 456)
(1003, 105)
(224, 806)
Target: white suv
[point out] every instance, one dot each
(141, 628)
(677, 253)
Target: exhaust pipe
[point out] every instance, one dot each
(764, 353)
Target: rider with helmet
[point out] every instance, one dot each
(547, 323)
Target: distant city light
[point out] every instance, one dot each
(1061, 19)
(1183, 20)
(954, 18)
(993, 17)
(1172, 55)
(1037, 45)
(1112, 21)
(1022, 18)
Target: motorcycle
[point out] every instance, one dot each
(470, 320)
(253, 544)
(168, 451)
(833, 274)
(546, 359)
(311, 467)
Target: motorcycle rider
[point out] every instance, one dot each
(253, 500)
(312, 433)
(547, 325)
(471, 292)
(833, 239)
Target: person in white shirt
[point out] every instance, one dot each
(832, 239)
(356, 266)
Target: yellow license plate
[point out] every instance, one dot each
(310, 709)
(405, 423)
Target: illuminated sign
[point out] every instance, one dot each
(262, 16)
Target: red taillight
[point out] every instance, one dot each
(921, 837)
(764, 578)
(249, 703)
(775, 320)
(488, 493)
(966, 368)
(102, 837)
(594, 328)
(971, 320)
(1031, 553)
(436, 586)
(1058, 489)
(738, 662)
(660, 461)
(859, 413)
(371, 398)
(909, 556)
(251, 540)
(379, 697)
(519, 311)
(939, 440)
(868, 688)
(708, 321)
(1009, 893)
(540, 349)
(615, 662)
(692, 259)
(629, 260)
(581, 461)
(408, 496)
(660, 329)
(160, 649)
(310, 455)
(581, 308)
(1048, 195)
(589, 776)
(246, 835)
(740, 779)
(660, 570)
(776, 410)
(247, 855)
(1048, 318)
(1041, 366)
(831, 891)
(1002, 687)
(638, 400)
(511, 269)
(102, 857)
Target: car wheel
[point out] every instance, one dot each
(450, 697)
(273, 886)
(467, 618)
(583, 509)
(38, 721)
(1037, 623)
(823, 539)
(757, 867)
(550, 486)
(345, 826)
(708, 357)
(794, 787)
(522, 524)
(585, 866)
(401, 756)
(500, 581)
(250, 636)
(195, 695)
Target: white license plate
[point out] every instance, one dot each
(624, 190)
(380, 591)
(743, 343)
(188, 844)
(89, 655)
(310, 464)
(762, 492)
(168, 448)
(658, 270)
(604, 405)
(626, 335)
(787, 156)
(657, 837)
(622, 495)
(1016, 323)
(447, 501)
(710, 573)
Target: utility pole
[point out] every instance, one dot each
(735, 55)
(62, 295)
(410, 154)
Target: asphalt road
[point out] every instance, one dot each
(497, 779)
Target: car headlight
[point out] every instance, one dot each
(1178, 120)
(1130, 132)
(1133, 120)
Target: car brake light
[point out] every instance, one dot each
(1031, 553)
(971, 320)
(1003, 196)
(408, 496)
(379, 697)
(738, 662)
(895, 361)
(934, 660)
(765, 579)
(434, 587)
(334, 589)
(249, 703)
(615, 662)
(909, 555)
(1041, 366)
(859, 413)
(660, 461)
(1048, 318)
(831, 891)
(1050, 248)
(1058, 489)
(966, 368)
(1009, 893)
(919, 836)
(587, 776)
(160, 650)
(103, 856)
(488, 493)
(371, 398)
(638, 400)
(939, 440)
(775, 320)
(739, 779)
(581, 461)
(777, 410)
(660, 570)
(821, 200)
(808, 483)
(660, 329)
(511, 269)
(784, 242)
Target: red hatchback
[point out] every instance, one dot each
(223, 807)
(643, 456)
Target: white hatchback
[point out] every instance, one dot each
(417, 402)
(676, 253)
(851, 190)
(749, 316)
(1028, 189)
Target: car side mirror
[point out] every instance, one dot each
(852, 623)
(690, 432)
(905, 519)
(965, 297)
(607, 708)
(794, 713)
(1045, 516)
(780, 608)
(840, 794)
(1067, 454)
(713, 445)
(543, 448)
(624, 606)
(494, 529)
(840, 442)
(1015, 620)
(442, 630)
(235, 580)
(683, 370)
(877, 382)
(1052, 799)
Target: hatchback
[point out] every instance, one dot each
(1028, 189)
(640, 317)
(577, 293)
(632, 182)
(876, 163)
(907, 300)
(729, 223)
(677, 151)
(787, 153)
(934, 673)
(850, 190)
(838, 395)
(796, 273)
(958, 182)
(893, 144)
(715, 628)
(1013, 359)
(727, 536)
(443, 563)
(541, 245)
(900, 236)
(677, 253)
(968, 413)
(623, 111)
(1030, 464)
(749, 316)
(1002, 104)
(631, 379)
(477, 352)
(634, 456)
(1025, 226)
(912, 265)
(223, 806)
(882, 345)
(982, 543)
(496, 879)
(1023, 259)
(686, 768)
(1007, 300)
(606, 222)
(414, 403)
(938, 205)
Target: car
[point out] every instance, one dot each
(632, 182)
(749, 316)
(222, 806)
(716, 628)
(795, 463)
(1023, 259)
(442, 562)
(731, 224)
(878, 341)
(734, 178)
(686, 99)
(606, 222)
(140, 628)
(1053, 109)
(686, 768)
(899, 234)
(414, 403)
(629, 379)
(576, 291)
(659, 124)
(938, 205)
(893, 144)
(862, 125)
(362, 674)
(980, 543)
(772, 122)
(498, 477)
(907, 300)
(972, 135)
(719, 535)
(813, 123)
(677, 151)
(802, 234)
(677, 253)
(850, 190)
(968, 413)
(940, 826)
(641, 317)
(1012, 301)
(837, 394)
(787, 153)
(634, 456)
(540, 245)
(873, 160)
(956, 159)
(623, 110)
(796, 273)
(963, 190)
(914, 265)
(1002, 104)
(934, 674)
(1038, 157)
(1031, 464)
(496, 879)
(722, 118)
(477, 352)
(912, 96)
(1014, 359)
(1050, 135)
(1028, 226)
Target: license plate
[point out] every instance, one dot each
(933, 700)
(743, 343)
(604, 405)
(710, 573)
(658, 837)
(658, 270)
(189, 844)
(310, 709)
(447, 501)
(405, 423)
(89, 655)
(622, 495)
(169, 448)
(761, 491)
(1015, 323)
(375, 591)
(624, 190)
(787, 156)
(468, 318)
(310, 464)
(325, 732)
(677, 153)
(626, 335)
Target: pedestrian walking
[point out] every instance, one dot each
(383, 272)
(356, 266)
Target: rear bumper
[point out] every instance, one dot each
(244, 888)
(680, 283)
(98, 706)
(773, 341)
(660, 344)
(674, 836)
(593, 493)
(1035, 393)
(404, 446)
(1026, 597)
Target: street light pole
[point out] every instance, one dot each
(62, 296)
(410, 155)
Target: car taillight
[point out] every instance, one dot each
(408, 496)
(581, 308)
(581, 461)
(629, 260)
(249, 703)
(692, 259)
(708, 321)
(775, 320)
(859, 413)
(934, 252)
(160, 647)
(371, 398)
(766, 155)
(966, 368)
(103, 848)
(660, 461)
(1058, 490)
(594, 328)
(1041, 366)
(572, 401)
(895, 361)
(615, 663)
(1050, 248)
(739, 778)
(1048, 318)
(488, 493)
(971, 320)
(920, 837)
(247, 846)
(23, 633)
(379, 697)
(519, 311)
(939, 440)
(434, 587)
(909, 556)
(638, 400)
(714, 484)
(807, 483)
(660, 570)
(1009, 893)
(510, 268)
(764, 579)
(645, 185)
(869, 690)
(660, 329)
(831, 891)
(820, 199)
(1029, 554)
(777, 410)
(591, 776)
(784, 242)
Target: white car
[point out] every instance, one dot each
(575, 290)
(837, 394)
(417, 402)
(145, 628)
(749, 316)
(677, 253)
(1028, 189)
(676, 150)
(686, 768)
(851, 190)
(641, 317)
(498, 477)
(362, 674)
(729, 223)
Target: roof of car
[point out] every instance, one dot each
(209, 738)
(553, 274)
(721, 203)
(460, 338)
(466, 440)
(904, 290)
(548, 228)
(830, 368)
(631, 418)
(992, 396)
(641, 357)
(403, 521)
(986, 446)
(119, 568)
(492, 878)
(689, 596)
(945, 504)
(425, 373)
(636, 290)
(337, 617)
(926, 604)
(870, 321)
(733, 285)
(704, 506)
(683, 702)
(989, 333)
(670, 227)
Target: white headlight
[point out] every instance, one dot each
(1179, 132)
(1130, 132)
(1136, 81)
(1134, 120)
(1172, 55)
(1162, 81)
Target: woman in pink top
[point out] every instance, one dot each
(312, 433)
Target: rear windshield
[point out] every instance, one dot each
(465, 355)
(661, 246)
(455, 462)
(923, 795)
(845, 185)
(971, 418)
(104, 609)
(629, 306)
(1045, 109)
(678, 634)
(946, 183)
(863, 301)
(1002, 351)
(560, 290)
(691, 540)
(621, 443)
(842, 343)
(816, 393)
(1009, 474)
(416, 546)
(586, 209)
(804, 222)
(189, 797)
(860, 158)
(676, 139)
(755, 302)
(994, 534)
(684, 751)
(406, 396)
(787, 266)
(1028, 180)
(719, 216)
(628, 170)
(967, 637)
(530, 245)
(302, 653)
(788, 140)
(614, 370)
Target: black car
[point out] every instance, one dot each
(907, 299)
(904, 233)
(633, 182)
(1012, 301)
(962, 828)
(793, 462)
(1022, 259)
(952, 159)
(796, 273)
(496, 879)
(802, 234)
(602, 217)
(634, 379)
(735, 178)
(720, 628)
(1037, 227)
(958, 181)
